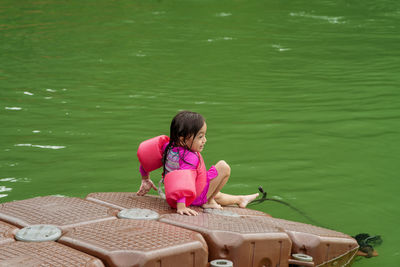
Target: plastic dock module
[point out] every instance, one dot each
(122, 229)
(44, 254)
(128, 200)
(63, 212)
(326, 247)
(7, 232)
(245, 211)
(243, 241)
(139, 243)
(238, 211)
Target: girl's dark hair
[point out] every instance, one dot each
(184, 125)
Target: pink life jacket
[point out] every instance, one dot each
(179, 183)
(150, 152)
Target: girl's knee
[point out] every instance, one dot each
(224, 168)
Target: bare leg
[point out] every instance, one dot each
(212, 204)
(216, 198)
(216, 184)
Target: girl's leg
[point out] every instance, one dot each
(241, 201)
(216, 184)
(216, 198)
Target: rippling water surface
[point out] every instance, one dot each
(301, 97)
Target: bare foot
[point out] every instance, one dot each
(244, 200)
(212, 204)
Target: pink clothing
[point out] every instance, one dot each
(179, 158)
(202, 198)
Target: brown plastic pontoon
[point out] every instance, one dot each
(93, 232)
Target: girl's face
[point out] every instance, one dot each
(197, 143)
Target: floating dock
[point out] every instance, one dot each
(122, 229)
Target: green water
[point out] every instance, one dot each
(301, 97)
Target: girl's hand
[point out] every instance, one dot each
(182, 209)
(145, 187)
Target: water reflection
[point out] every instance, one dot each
(333, 20)
(4, 189)
(14, 180)
(41, 146)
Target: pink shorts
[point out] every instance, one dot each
(202, 199)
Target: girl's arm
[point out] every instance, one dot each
(147, 183)
(182, 209)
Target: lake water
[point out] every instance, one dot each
(301, 97)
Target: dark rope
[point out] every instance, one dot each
(265, 198)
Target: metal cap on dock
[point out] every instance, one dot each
(138, 214)
(38, 233)
(221, 263)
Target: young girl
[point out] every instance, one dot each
(182, 152)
